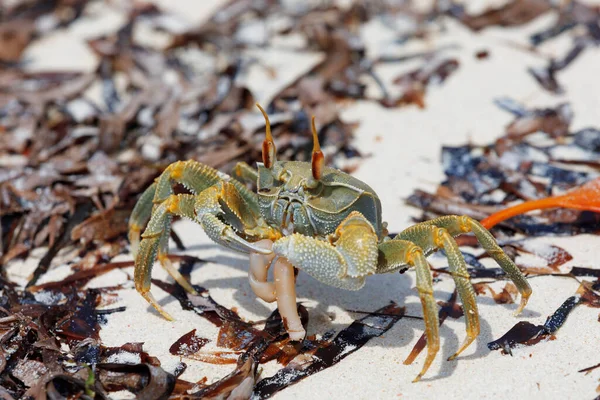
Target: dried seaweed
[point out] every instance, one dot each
(413, 84)
(484, 179)
(528, 334)
(547, 76)
(514, 13)
(35, 364)
(570, 16)
(188, 344)
(270, 343)
(506, 296)
(71, 169)
(345, 342)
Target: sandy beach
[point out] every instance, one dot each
(402, 148)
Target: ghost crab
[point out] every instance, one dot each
(310, 217)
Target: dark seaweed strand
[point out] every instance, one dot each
(202, 304)
(526, 333)
(81, 213)
(345, 343)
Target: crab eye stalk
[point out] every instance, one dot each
(268, 146)
(318, 160)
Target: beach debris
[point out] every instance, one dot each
(78, 148)
(189, 343)
(513, 13)
(272, 342)
(483, 180)
(325, 204)
(51, 347)
(413, 84)
(585, 197)
(525, 333)
(346, 342)
(581, 20)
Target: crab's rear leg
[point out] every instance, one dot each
(193, 175)
(430, 238)
(393, 255)
(457, 225)
(154, 244)
(245, 173)
(220, 202)
(140, 216)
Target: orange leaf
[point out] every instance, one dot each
(586, 197)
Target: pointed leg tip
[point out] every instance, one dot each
(188, 287)
(163, 313)
(423, 370)
(167, 316)
(521, 305)
(150, 299)
(468, 340)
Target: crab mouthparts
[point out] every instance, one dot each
(287, 224)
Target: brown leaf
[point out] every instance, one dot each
(15, 35)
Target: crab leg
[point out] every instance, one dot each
(155, 240)
(223, 202)
(462, 224)
(258, 272)
(285, 285)
(219, 201)
(245, 173)
(140, 217)
(430, 238)
(193, 175)
(396, 253)
(283, 290)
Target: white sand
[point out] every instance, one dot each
(405, 146)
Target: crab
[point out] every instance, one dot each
(308, 217)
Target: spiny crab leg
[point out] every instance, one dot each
(283, 290)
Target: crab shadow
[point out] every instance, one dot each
(378, 291)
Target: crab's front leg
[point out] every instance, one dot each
(344, 261)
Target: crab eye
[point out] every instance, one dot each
(311, 183)
(312, 186)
